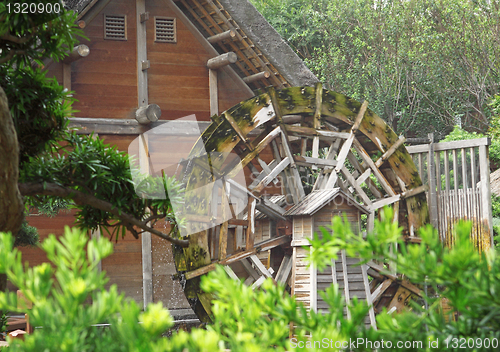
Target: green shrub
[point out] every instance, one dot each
(61, 292)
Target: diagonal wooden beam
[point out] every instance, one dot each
(261, 247)
(380, 290)
(390, 151)
(272, 175)
(296, 182)
(378, 174)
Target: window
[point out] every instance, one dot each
(165, 31)
(115, 27)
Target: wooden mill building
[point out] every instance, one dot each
(163, 59)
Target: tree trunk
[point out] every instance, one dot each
(11, 202)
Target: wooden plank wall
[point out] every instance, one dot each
(178, 76)
(105, 82)
(123, 266)
(46, 226)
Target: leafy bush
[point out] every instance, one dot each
(248, 320)
(61, 292)
(467, 278)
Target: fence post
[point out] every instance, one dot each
(484, 164)
(431, 173)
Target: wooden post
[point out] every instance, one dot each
(78, 52)
(224, 226)
(214, 95)
(484, 164)
(97, 235)
(147, 260)
(142, 75)
(431, 172)
(251, 223)
(313, 294)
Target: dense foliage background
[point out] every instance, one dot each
(424, 65)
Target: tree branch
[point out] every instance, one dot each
(80, 198)
(13, 39)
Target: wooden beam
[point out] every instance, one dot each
(272, 175)
(384, 272)
(222, 60)
(383, 202)
(352, 181)
(390, 151)
(378, 174)
(92, 10)
(227, 35)
(295, 182)
(248, 157)
(147, 114)
(360, 116)
(78, 52)
(308, 132)
(256, 77)
(380, 290)
(438, 147)
(415, 191)
(133, 127)
(369, 301)
(308, 161)
(258, 264)
(284, 270)
(261, 247)
(230, 273)
(249, 269)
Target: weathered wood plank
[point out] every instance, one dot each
(261, 247)
(272, 175)
(450, 145)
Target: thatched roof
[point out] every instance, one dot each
(495, 182)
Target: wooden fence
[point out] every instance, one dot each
(458, 175)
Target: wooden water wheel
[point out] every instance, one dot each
(313, 139)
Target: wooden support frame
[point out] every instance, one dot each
(262, 247)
